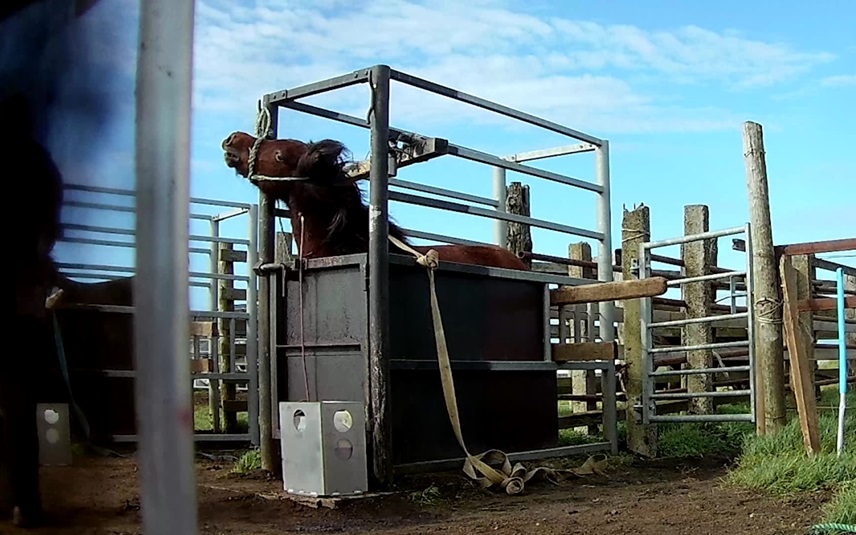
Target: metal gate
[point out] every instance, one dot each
(650, 352)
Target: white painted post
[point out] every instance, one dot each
(500, 228)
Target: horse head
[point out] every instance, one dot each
(312, 165)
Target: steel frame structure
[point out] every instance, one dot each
(649, 397)
(379, 79)
(105, 236)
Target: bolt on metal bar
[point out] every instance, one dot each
(712, 394)
(699, 371)
(491, 214)
(702, 278)
(695, 237)
(706, 319)
(700, 418)
(492, 106)
(698, 347)
(551, 153)
(345, 80)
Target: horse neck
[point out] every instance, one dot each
(318, 216)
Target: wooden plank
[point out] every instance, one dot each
(800, 366)
(232, 255)
(814, 305)
(233, 294)
(609, 291)
(234, 405)
(205, 329)
(585, 351)
(815, 247)
(201, 366)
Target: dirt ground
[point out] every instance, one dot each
(100, 496)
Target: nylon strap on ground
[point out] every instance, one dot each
(512, 479)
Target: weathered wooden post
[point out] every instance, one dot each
(583, 381)
(226, 303)
(519, 234)
(636, 228)
(767, 299)
(698, 257)
(805, 274)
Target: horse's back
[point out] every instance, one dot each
(479, 255)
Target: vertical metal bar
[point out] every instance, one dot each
(842, 360)
(578, 324)
(161, 286)
(648, 406)
(609, 407)
(267, 237)
(500, 228)
(548, 343)
(276, 296)
(378, 257)
(252, 325)
(750, 320)
(590, 319)
(214, 384)
(604, 225)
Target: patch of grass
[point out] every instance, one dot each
(779, 463)
(429, 496)
(572, 437)
(842, 508)
(250, 461)
(683, 440)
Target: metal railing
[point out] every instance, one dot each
(107, 241)
(649, 396)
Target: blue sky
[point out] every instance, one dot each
(668, 83)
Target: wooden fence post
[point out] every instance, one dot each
(698, 257)
(226, 303)
(519, 234)
(583, 381)
(769, 352)
(636, 228)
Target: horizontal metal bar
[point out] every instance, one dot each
(483, 157)
(230, 214)
(196, 315)
(492, 106)
(133, 193)
(327, 114)
(695, 237)
(532, 455)
(702, 278)
(699, 347)
(124, 209)
(198, 437)
(713, 394)
(700, 371)
(345, 80)
(486, 365)
(440, 237)
(444, 192)
(234, 376)
(129, 232)
(706, 319)
(550, 153)
(491, 214)
(586, 365)
(699, 418)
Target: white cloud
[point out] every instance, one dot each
(604, 78)
(841, 80)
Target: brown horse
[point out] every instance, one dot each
(336, 219)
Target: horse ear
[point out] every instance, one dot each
(322, 160)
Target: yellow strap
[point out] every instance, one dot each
(510, 478)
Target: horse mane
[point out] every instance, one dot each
(332, 194)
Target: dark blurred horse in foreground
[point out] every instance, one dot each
(35, 53)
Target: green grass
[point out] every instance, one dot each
(780, 464)
(248, 462)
